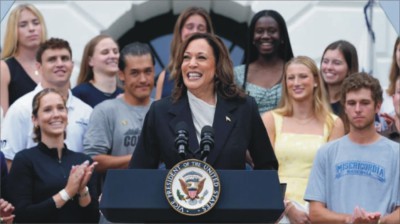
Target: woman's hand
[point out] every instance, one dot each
(75, 178)
(6, 210)
(87, 175)
(297, 216)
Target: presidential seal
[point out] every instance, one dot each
(192, 187)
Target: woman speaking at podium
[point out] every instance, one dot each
(204, 94)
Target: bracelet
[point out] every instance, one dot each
(64, 195)
(86, 193)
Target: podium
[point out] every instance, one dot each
(137, 196)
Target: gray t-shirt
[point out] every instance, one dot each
(114, 128)
(345, 175)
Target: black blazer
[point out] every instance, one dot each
(237, 126)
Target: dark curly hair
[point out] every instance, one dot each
(358, 81)
(52, 43)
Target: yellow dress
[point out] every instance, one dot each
(295, 154)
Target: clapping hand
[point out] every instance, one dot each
(79, 177)
(88, 171)
(361, 216)
(6, 210)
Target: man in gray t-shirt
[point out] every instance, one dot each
(355, 179)
(115, 125)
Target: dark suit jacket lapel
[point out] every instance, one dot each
(224, 121)
(181, 112)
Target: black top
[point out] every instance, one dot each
(336, 108)
(93, 96)
(20, 82)
(237, 126)
(168, 85)
(3, 172)
(36, 175)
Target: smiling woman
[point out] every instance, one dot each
(52, 119)
(301, 124)
(42, 183)
(268, 49)
(339, 60)
(204, 94)
(97, 80)
(198, 70)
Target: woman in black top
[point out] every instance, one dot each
(25, 31)
(49, 182)
(6, 208)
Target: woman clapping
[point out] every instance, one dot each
(49, 182)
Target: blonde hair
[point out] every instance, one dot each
(320, 105)
(11, 37)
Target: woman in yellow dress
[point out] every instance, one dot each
(302, 122)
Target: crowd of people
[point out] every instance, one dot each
(322, 129)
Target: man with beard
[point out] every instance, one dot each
(355, 179)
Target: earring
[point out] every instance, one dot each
(315, 85)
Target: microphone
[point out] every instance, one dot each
(207, 141)
(181, 140)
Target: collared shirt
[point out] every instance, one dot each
(17, 128)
